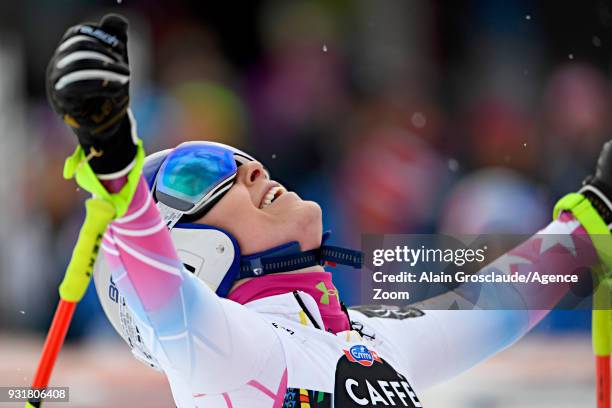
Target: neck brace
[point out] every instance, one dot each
(214, 256)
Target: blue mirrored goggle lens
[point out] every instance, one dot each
(192, 172)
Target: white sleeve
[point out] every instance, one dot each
(436, 345)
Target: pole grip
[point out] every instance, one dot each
(78, 274)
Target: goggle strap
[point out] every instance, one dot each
(169, 215)
(250, 268)
(217, 192)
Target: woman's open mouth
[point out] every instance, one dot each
(273, 193)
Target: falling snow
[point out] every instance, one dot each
(596, 41)
(571, 56)
(453, 165)
(418, 119)
(22, 312)
(324, 48)
(524, 144)
(528, 17)
(274, 156)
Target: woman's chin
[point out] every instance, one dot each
(309, 226)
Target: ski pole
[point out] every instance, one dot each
(601, 326)
(99, 214)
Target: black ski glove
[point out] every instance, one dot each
(88, 81)
(597, 188)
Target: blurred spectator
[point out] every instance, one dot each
(389, 182)
(208, 111)
(501, 134)
(494, 201)
(578, 106)
(577, 120)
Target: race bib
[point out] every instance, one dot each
(364, 379)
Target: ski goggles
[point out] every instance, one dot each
(194, 177)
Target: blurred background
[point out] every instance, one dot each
(398, 116)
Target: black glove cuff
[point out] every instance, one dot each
(599, 197)
(117, 152)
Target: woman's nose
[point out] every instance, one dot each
(249, 173)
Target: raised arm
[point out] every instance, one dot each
(213, 345)
(443, 343)
(198, 333)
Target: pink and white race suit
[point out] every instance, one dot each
(269, 353)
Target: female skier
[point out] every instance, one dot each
(212, 272)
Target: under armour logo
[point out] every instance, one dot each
(327, 293)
